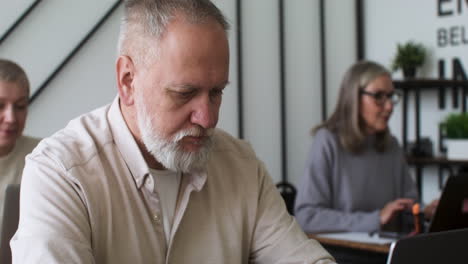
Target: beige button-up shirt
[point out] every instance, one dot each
(84, 200)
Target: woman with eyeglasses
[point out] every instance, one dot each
(356, 178)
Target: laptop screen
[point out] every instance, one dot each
(452, 211)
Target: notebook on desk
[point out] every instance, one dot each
(452, 211)
(440, 247)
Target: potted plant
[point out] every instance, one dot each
(455, 131)
(409, 56)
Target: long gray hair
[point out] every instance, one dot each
(150, 18)
(346, 121)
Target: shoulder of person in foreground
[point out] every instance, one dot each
(224, 142)
(53, 217)
(277, 237)
(75, 144)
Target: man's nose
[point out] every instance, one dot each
(205, 113)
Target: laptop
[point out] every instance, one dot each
(431, 248)
(452, 211)
(10, 221)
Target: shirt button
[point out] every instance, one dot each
(156, 218)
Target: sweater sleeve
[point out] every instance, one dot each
(314, 208)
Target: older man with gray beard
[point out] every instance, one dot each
(147, 179)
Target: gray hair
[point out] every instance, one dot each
(150, 18)
(346, 121)
(12, 72)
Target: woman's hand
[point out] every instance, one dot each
(392, 208)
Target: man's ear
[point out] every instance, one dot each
(125, 77)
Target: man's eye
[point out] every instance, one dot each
(185, 94)
(216, 92)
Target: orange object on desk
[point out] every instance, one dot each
(417, 222)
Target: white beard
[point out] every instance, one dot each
(169, 152)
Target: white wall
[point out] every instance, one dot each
(341, 49)
(261, 81)
(10, 11)
(86, 83)
(228, 119)
(49, 33)
(303, 81)
(261, 70)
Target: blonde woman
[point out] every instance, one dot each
(14, 146)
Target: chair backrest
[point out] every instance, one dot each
(438, 247)
(10, 220)
(288, 192)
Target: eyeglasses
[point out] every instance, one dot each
(381, 97)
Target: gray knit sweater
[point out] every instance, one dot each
(341, 191)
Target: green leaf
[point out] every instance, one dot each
(455, 126)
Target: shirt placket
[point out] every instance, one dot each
(186, 186)
(154, 204)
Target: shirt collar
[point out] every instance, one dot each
(127, 145)
(197, 180)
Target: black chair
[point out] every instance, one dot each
(288, 192)
(9, 221)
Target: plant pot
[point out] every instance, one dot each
(457, 149)
(409, 72)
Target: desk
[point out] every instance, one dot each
(349, 251)
(378, 248)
